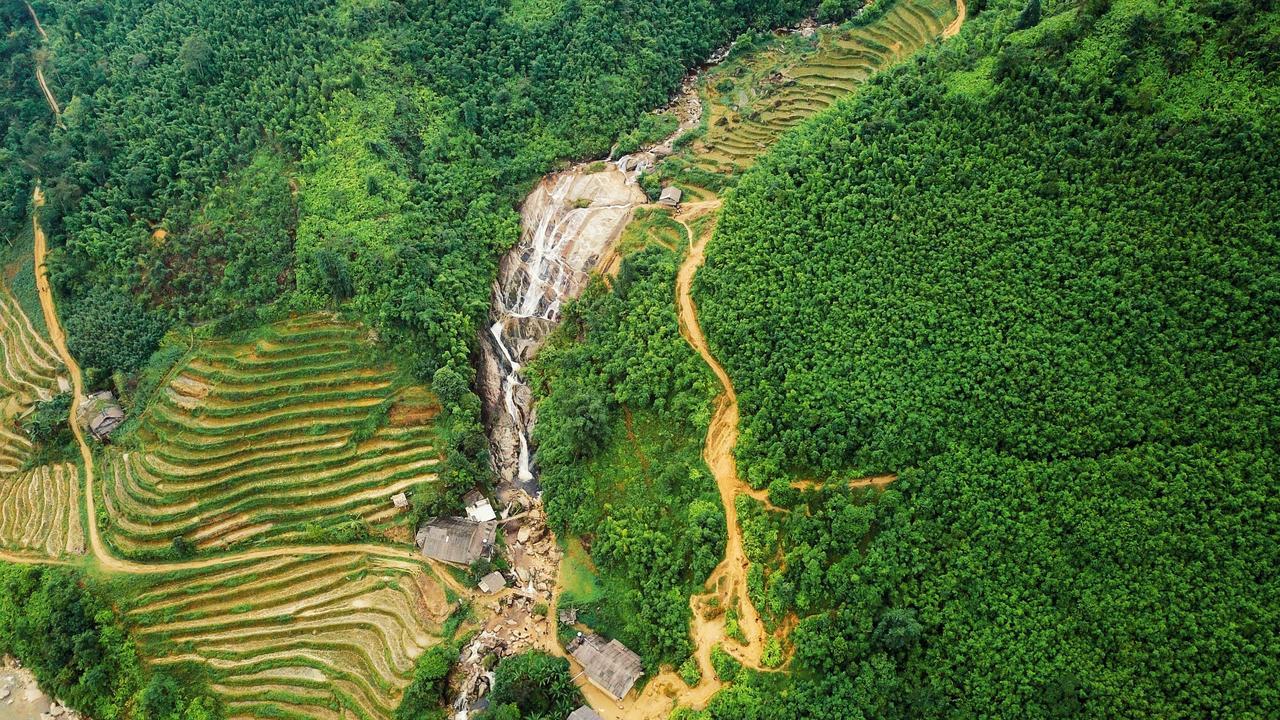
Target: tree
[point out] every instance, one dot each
(110, 331)
(196, 57)
(537, 683)
(1029, 17)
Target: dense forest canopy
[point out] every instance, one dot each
(407, 130)
(1073, 261)
(1035, 273)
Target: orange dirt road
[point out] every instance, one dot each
(954, 26)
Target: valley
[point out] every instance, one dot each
(671, 361)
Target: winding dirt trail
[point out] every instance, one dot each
(954, 26)
(729, 579)
(39, 62)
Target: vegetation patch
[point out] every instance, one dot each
(623, 410)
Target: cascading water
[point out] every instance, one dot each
(568, 223)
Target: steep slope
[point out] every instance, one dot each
(1033, 275)
(282, 437)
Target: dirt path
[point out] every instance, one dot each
(954, 26)
(35, 19)
(729, 579)
(39, 61)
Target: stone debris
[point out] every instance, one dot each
(21, 697)
(517, 616)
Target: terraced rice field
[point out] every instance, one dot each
(39, 507)
(274, 439)
(751, 101)
(320, 637)
(40, 511)
(31, 367)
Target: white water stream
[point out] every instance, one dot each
(569, 222)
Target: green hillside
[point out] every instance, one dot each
(1035, 274)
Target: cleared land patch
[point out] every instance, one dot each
(332, 636)
(295, 434)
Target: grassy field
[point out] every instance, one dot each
(752, 98)
(578, 575)
(295, 433)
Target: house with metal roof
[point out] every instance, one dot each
(671, 196)
(456, 540)
(609, 665)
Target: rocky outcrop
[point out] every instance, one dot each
(568, 223)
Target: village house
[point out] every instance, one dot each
(458, 541)
(609, 665)
(670, 197)
(100, 414)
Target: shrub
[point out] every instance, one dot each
(690, 673)
(726, 666)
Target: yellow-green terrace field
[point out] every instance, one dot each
(295, 434)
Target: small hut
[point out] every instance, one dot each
(609, 664)
(478, 507)
(671, 196)
(492, 583)
(400, 501)
(100, 414)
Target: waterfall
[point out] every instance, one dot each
(568, 223)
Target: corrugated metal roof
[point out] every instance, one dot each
(456, 540)
(609, 664)
(584, 713)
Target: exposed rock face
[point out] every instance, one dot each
(568, 223)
